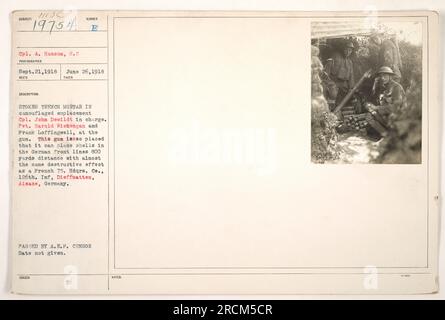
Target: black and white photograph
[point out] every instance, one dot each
(366, 92)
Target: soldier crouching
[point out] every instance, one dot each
(388, 97)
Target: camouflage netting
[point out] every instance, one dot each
(323, 122)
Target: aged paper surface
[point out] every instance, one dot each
(224, 152)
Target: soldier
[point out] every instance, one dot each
(340, 69)
(389, 55)
(388, 94)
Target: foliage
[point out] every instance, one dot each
(324, 135)
(323, 123)
(404, 140)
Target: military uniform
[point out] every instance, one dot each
(391, 99)
(389, 56)
(340, 70)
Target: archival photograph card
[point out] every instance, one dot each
(224, 152)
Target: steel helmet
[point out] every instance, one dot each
(349, 44)
(387, 70)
